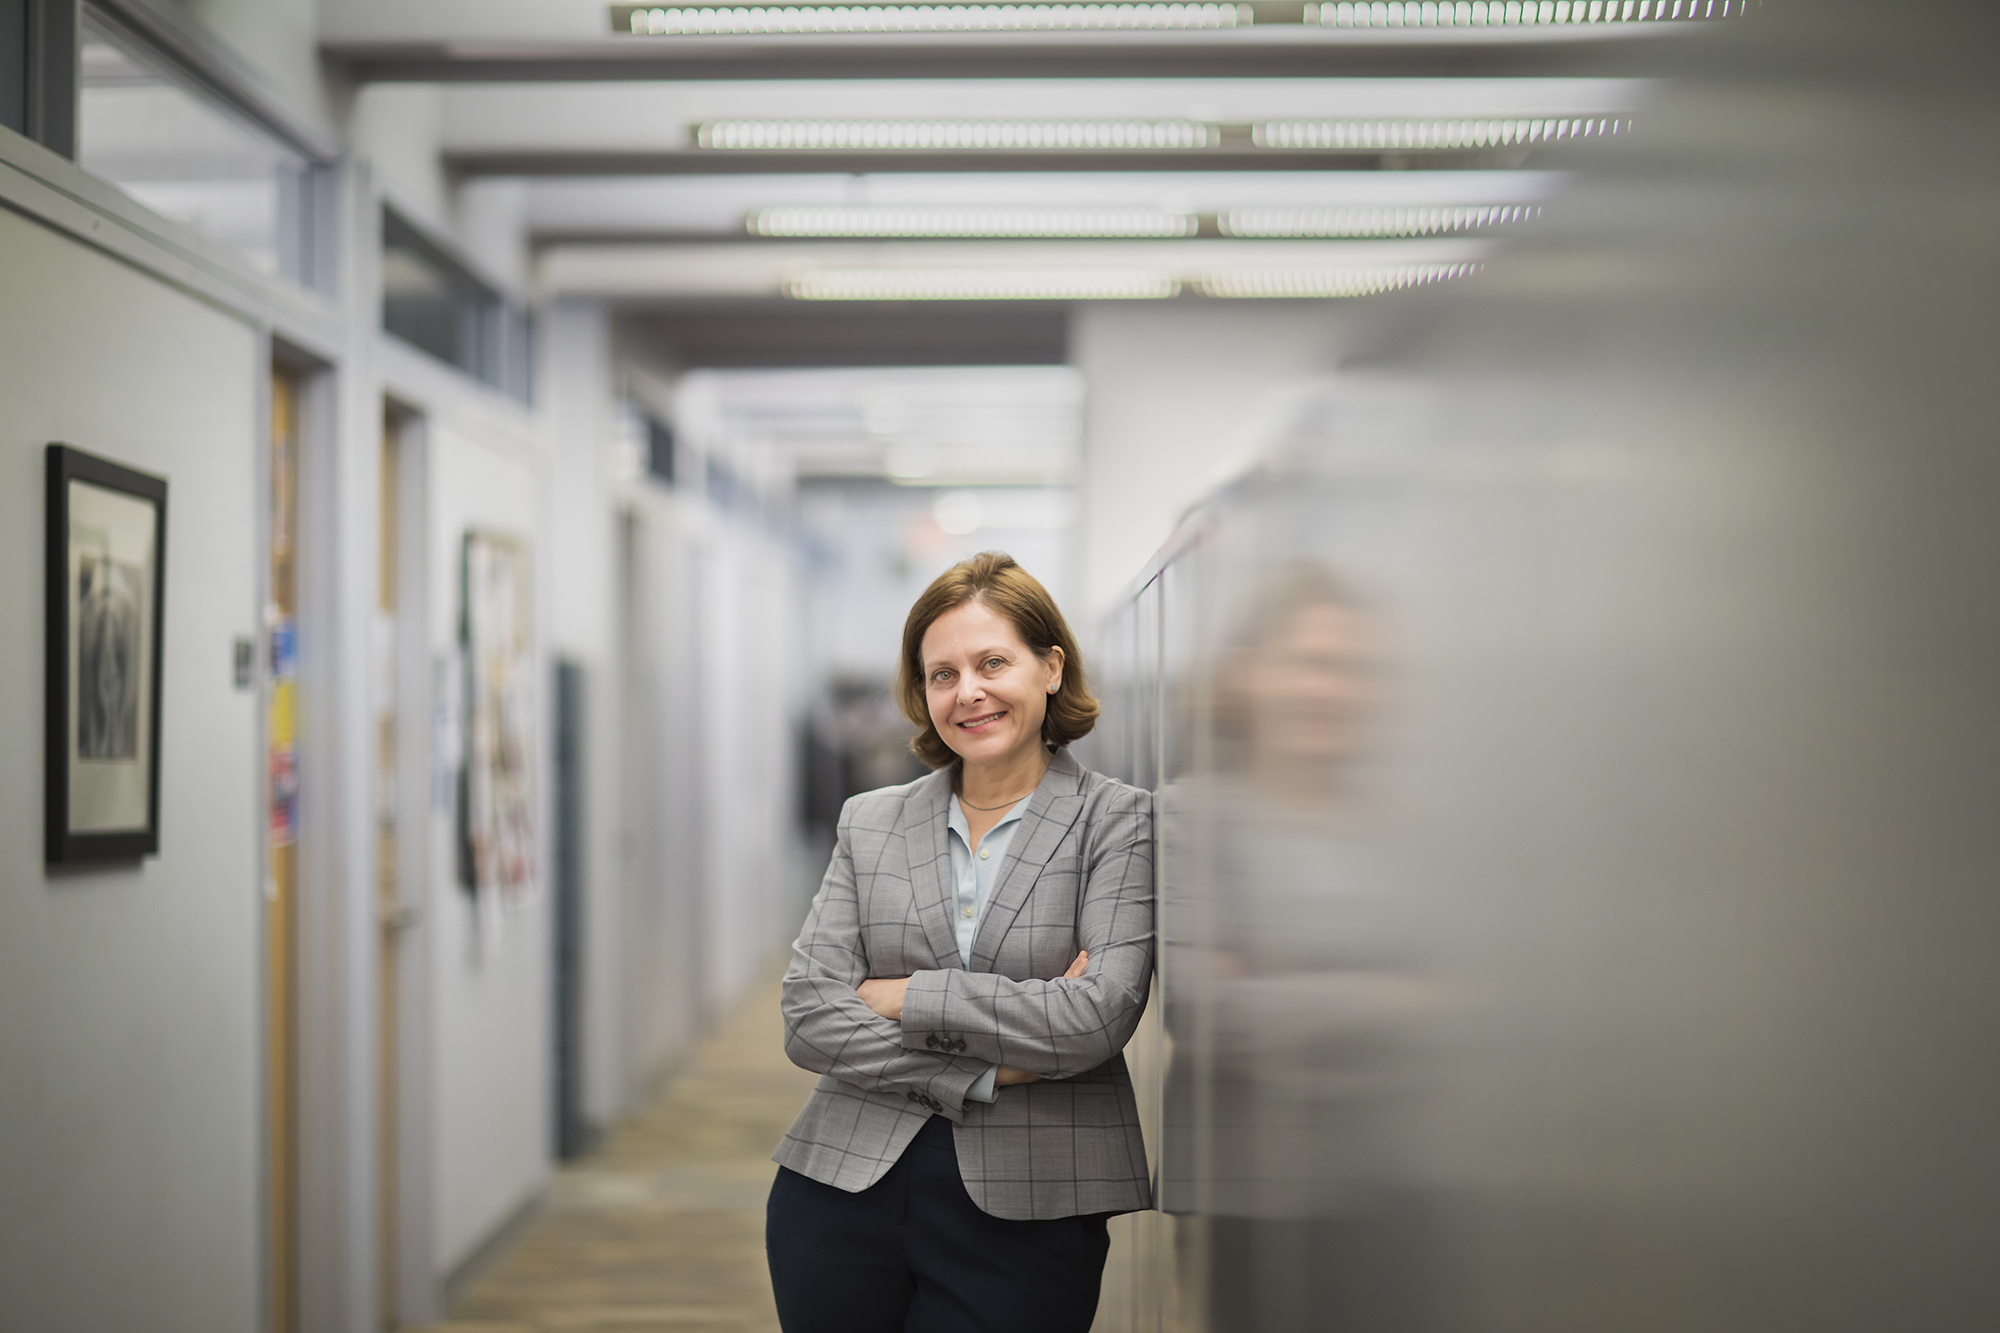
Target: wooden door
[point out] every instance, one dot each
(281, 881)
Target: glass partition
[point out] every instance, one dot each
(436, 304)
(151, 130)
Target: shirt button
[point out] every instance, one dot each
(985, 852)
(968, 912)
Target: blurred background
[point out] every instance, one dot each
(1523, 475)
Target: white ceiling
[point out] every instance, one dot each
(761, 270)
(998, 425)
(674, 229)
(718, 204)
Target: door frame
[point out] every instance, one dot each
(418, 1294)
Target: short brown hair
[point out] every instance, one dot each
(993, 578)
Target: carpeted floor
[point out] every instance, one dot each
(662, 1228)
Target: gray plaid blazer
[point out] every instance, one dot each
(1078, 875)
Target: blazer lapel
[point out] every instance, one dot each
(925, 835)
(1051, 812)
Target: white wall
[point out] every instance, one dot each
(685, 620)
(1178, 399)
(714, 883)
(132, 1134)
(578, 396)
(130, 1124)
(664, 795)
(493, 228)
(750, 625)
(394, 128)
(132, 1151)
(489, 986)
(397, 130)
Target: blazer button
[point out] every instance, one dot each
(958, 1045)
(931, 1041)
(914, 1095)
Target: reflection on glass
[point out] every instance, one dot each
(429, 303)
(1310, 984)
(1578, 784)
(433, 302)
(1291, 988)
(183, 155)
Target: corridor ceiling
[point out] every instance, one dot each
(769, 158)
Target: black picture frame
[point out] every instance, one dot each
(106, 612)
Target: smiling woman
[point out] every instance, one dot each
(990, 593)
(967, 979)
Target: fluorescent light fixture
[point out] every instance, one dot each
(1378, 135)
(982, 284)
(954, 135)
(1087, 284)
(1323, 283)
(1514, 13)
(709, 20)
(1276, 222)
(857, 220)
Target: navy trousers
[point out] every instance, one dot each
(913, 1254)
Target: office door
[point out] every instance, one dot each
(281, 882)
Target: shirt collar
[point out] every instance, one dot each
(955, 820)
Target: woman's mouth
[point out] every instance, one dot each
(979, 723)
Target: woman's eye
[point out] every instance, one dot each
(995, 663)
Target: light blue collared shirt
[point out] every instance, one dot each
(972, 880)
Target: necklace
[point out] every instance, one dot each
(989, 808)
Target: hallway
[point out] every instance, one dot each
(662, 1227)
(1516, 484)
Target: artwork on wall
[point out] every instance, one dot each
(106, 592)
(496, 780)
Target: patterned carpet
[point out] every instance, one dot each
(662, 1228)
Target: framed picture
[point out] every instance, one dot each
(496, 782)
(107, 582)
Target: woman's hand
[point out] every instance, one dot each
(1008, 1076)
(884, 995)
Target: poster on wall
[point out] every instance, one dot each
(496, 779)
(281, 730)
(105, 621)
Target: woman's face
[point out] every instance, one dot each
(988, 691)
(1315, 688)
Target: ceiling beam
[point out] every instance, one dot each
(772, 333)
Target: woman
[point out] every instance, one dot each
(968, 974)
